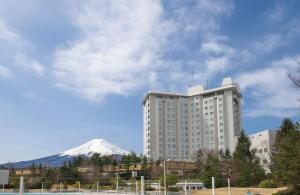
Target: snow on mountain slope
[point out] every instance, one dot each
(95, 146)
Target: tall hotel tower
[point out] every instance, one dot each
(176, 126)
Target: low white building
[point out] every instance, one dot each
(190, 185)
(262, 141)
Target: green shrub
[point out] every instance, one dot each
(174, 189)
(268, 183)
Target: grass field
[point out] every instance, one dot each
(238, 191)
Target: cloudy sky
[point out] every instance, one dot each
(71, 71)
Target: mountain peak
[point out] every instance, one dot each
(95, 146)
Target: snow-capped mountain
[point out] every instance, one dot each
(100, 146)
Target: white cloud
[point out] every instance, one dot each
(123, 45)
(120, 46)
(31, 95)
(24, 61)
(220, 57)
(276, 13)
(270, 90)
(215, 47)
(6, 33)
(16, 48)
(269, 43)
(5, 72)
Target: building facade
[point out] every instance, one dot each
(262, 142)
(176, 126)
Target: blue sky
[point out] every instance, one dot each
(71, 71)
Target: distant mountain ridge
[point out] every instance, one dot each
(100, 146)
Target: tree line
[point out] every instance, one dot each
(244, 169)
(243, 166)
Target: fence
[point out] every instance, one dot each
(108, 186)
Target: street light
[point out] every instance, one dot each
(117, 183)
(165, 180)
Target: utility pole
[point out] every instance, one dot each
(97, 186)
(165, 179)
(21, 187)
(229, 190)
(159, 187)
(117, 184)
(142, 186)
(213, 185)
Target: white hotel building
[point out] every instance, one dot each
(176, 126)
(263, 141)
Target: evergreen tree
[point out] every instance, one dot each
(286, 155)
(33, 168)
(209, 165)
(226, 163)
(246, 165)
(68, 174)
(96, 159)
(40, 168)
(77, 161)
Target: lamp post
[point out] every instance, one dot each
(165, 180)
(117, 184)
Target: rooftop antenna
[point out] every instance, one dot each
(207, 83)
(193, 82)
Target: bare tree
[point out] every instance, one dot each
(295, 77)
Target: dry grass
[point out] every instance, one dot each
(238, 191)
